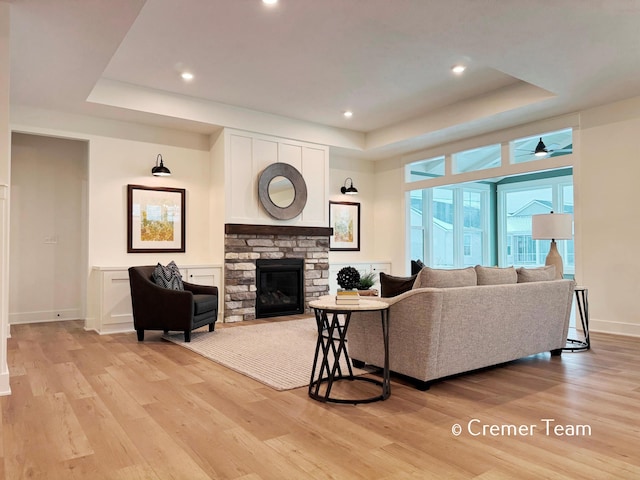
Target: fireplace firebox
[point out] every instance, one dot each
(279, 287)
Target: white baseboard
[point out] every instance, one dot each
(615, 328)
(5, 387)
(44, 316)
(125, 327)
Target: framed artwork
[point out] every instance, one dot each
(344, 218)
(155, 219)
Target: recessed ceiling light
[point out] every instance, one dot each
(458, 69)
(187, 76)
(269, 2)
(348, 114)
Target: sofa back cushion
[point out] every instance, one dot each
(495, 275)
(391, 286)
(536, 274)
(442, 278)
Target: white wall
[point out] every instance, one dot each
(607, 223)
(48, 224)
(5, 163)
(123, 153)
(364, 179)
(390, 215)
(115, 163)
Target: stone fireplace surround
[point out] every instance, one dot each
(244, 244)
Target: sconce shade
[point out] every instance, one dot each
(350, 190)
(160, 170)
(552, 226)
(541, 149)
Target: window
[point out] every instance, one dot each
(467, 245)
(416, 171)
(477, 159)
(517, 202)
(557, 143)
(449, 225)
(487, 220)
(417, 208)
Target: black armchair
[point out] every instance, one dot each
(158, 308)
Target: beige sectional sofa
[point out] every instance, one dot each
(447, 329)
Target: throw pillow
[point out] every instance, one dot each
(416, 266)
(391, 286)
(495, 275)
(168, 277)
(536, 274)
(441, 278)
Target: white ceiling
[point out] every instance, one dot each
(303, 62)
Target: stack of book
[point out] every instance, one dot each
(347, 297)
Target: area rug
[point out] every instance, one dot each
(277, 354)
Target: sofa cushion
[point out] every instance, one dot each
(168, 277)
(391, 286)
(536, 274)
(442, 278)
(204, 303)
(496, 275)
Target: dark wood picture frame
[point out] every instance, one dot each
(344, 218)
(165, 231)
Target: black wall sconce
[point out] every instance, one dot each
(350, 190)
(160, 170)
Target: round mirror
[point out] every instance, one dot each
(281, 191)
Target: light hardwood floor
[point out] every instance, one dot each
(86, 406)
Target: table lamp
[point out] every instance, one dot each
(552, 226)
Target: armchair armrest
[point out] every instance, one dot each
(200, 289)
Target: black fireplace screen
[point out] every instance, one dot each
(280, 287)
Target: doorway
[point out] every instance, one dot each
(48, 229)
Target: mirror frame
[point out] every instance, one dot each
(299, 186)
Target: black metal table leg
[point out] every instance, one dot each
(582, 302)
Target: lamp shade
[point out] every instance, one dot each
(552, 226)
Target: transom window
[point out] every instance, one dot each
(423, 169)
(555, 143)
(477, 159)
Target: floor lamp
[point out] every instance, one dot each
(552, 226)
